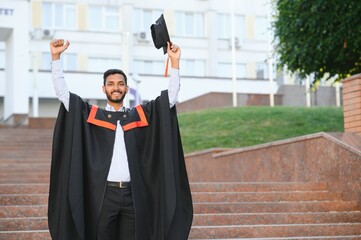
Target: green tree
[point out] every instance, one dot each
(319, 36)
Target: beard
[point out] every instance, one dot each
(115, 100)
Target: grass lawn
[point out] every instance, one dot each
(246, 126)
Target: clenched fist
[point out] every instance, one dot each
(57, 46)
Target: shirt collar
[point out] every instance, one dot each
(111, 109)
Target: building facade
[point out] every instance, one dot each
(116, 34)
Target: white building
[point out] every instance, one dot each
(116, 34)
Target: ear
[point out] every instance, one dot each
(103, 87)
(127, 89)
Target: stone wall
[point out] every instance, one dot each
(294, 95)
(219, 100)
(287, 95)
(352, 103)
(321, 157)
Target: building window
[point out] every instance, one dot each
(68, 59)
(190, 67)
(261, 28)
(149, 67)
(47, 15)
(69, 16)
(45, 61)
(189, 24)
(2, 59)
(103, 64)
(224, 26)
(69, 62)
(59, 16)
(261, 70)
(95, 22)
(225, 70)
(103, 18)
(143, 18)
(193, 67)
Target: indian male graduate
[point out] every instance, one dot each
(118, 172)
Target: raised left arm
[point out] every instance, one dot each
(174, 54)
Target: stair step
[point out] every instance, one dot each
(23, 224)
(25, 235)
(24, 199)
(256, 186)
(43, 178)
(13, 150)
(261, 231)
(311, 206)
(40, 179)
(41, 188)
(349, 237)
(23, 156)
(15, 172)
(23, 174)
(23, 211)
(264, 196)
(26, 164)
(223, 210)
(275, 218)
(30, 167)
(353, 237)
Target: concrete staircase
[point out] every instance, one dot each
(272, 210)
(24, 177)
(223, 210)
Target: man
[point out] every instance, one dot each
(117, 173)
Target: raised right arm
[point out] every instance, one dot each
(57, 47)
(61, 89)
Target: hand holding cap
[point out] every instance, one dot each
(160, 34)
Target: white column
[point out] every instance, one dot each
(337, 87)
(270, 77)
(212, 61)
(308, 89)
(127, 41)
(35, 87)
(137, 80)
(17, 59)
(270, 58)
(234, 69)
(17, 74)
(125, 61)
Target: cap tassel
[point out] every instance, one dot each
(166, 68)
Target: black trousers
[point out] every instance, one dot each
(117, 220)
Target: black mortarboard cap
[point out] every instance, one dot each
(160, 34)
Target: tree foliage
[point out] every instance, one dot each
(322, 37)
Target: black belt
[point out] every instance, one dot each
(119, 184)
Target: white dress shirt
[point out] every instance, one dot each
(119, 169)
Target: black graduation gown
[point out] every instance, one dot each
(82, 151)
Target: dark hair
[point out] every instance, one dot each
(114, 71)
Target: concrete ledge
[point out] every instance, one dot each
(334, 158)
(351, 141)
(353, 77)
(15, 121)
(207, 152)
(43, 123)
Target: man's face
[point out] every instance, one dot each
(115, 88)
